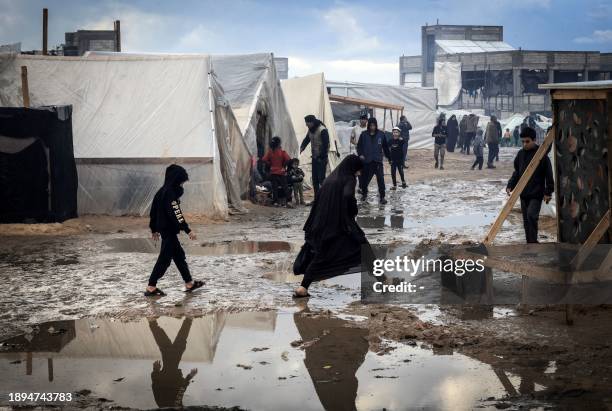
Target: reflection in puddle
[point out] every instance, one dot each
(255, 360)
(145, 245)
(397, 220)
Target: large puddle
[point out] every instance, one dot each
(255, 360)
(220, 248)
(398, 220)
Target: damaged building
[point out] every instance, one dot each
(473, 68)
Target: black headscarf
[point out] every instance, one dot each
(314, 121)
(175, 175)
(334, 203)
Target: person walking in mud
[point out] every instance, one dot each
(396, 150)
(405, 127)
(333, 239)
(167, 381)
(371, 147)
(318, 138)
(167, 221)
(540, 186)
(439, 134)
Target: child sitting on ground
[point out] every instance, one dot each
(396, 150)
(295, 177)
(479, 149)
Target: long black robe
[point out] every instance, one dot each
(453, 132)
(331, 229)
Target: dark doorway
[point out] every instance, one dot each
(24, 184)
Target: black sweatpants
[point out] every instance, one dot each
(170, 250)
(493, 152)
(395, 168)
(530, 208)
(279, 181)
(370, 170)
(319, 168)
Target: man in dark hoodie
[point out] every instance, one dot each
(540, 186)
(166, 222)
(318, 138)
(371, 146)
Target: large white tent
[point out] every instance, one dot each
(132, 117)
(251, 85)
(420, 105)
(308, 95)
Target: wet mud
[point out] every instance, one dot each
(73, 304)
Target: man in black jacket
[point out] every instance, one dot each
(166, 222)
(371, 147)
(318, 138)
(540, 186)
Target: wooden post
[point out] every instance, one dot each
(535, 162)
(50, 368)
(44, 31)
(118, 35)
(591, 242)
(25, 91)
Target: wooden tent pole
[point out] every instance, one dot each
(535, 161)
(25, 91)
(591, 242)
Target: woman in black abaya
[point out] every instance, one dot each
(453, 132)
(334, 240)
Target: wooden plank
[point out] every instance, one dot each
(364, 102)
(591, 242)
(25, 90)
(520, 187)
(606, 265)
(579, 94)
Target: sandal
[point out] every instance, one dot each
(196, 284)
(156, 292)
(296, 295)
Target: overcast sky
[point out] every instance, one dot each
(357, 40)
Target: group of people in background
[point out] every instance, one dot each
(373, 147)
(334, 242)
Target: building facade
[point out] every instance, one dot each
(495, 76)
(81, 41)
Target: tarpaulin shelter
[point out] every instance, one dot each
(447, 79)
(420, 106)
(132, 117)
(38, 178)
(308, 95)
(252, 87)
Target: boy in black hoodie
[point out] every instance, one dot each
(396, 149)
(540, 186)
(166, 222)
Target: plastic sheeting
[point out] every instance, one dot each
(447, 79)
(133, 116)
(420, 105)
(308, 95)
(251, 85)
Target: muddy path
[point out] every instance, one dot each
(89, 274)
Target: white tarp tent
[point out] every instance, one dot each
(447, 79)
(420, 105)
(251, 85)
(308, 95)
(132, 117)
